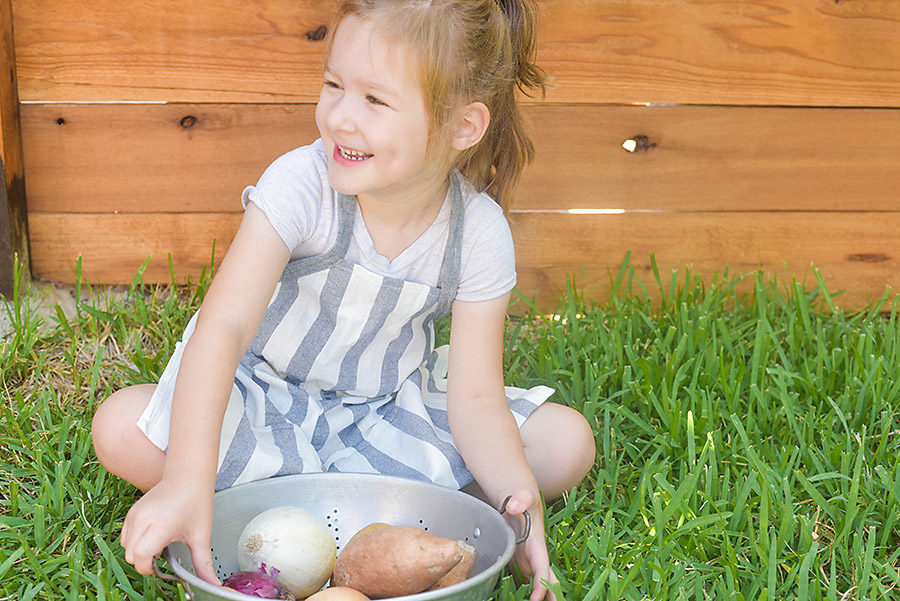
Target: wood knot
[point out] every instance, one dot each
(188, 121)
(639, 142)
(318, 34)
(868, 258)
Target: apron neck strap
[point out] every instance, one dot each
(450, 266)
(448, 280)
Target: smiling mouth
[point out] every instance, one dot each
(352, 155)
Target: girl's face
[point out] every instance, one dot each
(373, 119)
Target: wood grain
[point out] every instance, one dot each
(13, 212)
(760, 52)
(198, 158)
(166, 50)
(114, 246)
(156, 158)
(856, 252)
(713, 158)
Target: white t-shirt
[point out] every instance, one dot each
(295, 195)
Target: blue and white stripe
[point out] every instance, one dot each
(342, 375)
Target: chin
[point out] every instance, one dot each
(335, 180)
(342, 186)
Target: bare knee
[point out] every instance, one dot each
(559, 444)
(108, 425)
(584, 445)
(119, 444)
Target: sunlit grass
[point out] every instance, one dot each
(748, 444)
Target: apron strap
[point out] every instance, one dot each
(448, 281)
(450, 266)
(307, 265)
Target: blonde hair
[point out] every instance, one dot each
(469, 51)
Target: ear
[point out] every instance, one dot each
(471, 126)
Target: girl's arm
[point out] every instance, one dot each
(484, 428)
(179, 507)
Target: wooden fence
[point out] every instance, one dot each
(758, 134)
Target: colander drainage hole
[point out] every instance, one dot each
(331, 519)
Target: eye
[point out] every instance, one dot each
(330, 84)
(376, 101)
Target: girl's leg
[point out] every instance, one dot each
(559, 445)
(560, 449)
(120, 445)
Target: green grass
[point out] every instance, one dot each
(748, 442)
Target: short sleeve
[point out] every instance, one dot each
(290, 192)
(488, 261)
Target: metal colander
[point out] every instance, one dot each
(347, 503)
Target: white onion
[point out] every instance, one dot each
(293, 541)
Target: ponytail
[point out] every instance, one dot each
(497, 162)
(522, 18)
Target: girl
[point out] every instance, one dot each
(313, 349)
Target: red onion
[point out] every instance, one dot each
(258, 584)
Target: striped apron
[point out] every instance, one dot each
(342, 374)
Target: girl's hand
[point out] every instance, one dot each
(169, 512)
(531, 556)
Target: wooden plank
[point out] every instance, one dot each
(765, 52)
(713, 158)
(161, 158)
(856, 252)
(113, 247)
(166, 50)
(13, 211)
(139, 158)
(760, 52)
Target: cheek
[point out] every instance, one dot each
(412, 133)
(321, 113)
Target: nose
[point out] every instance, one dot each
(340, 115)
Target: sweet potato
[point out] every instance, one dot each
(460, 571)
(393, 561)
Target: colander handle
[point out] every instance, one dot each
(527, 529)
(172, 578)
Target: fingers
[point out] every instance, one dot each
(161, 517)
(203, 564)
(142, 550)
(520, 501)
(140, 541)
(539, 590)
(198, 539)
(534, 561)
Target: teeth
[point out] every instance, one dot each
(353, 155)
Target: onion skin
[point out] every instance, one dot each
(258, 584)
(293, 541)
